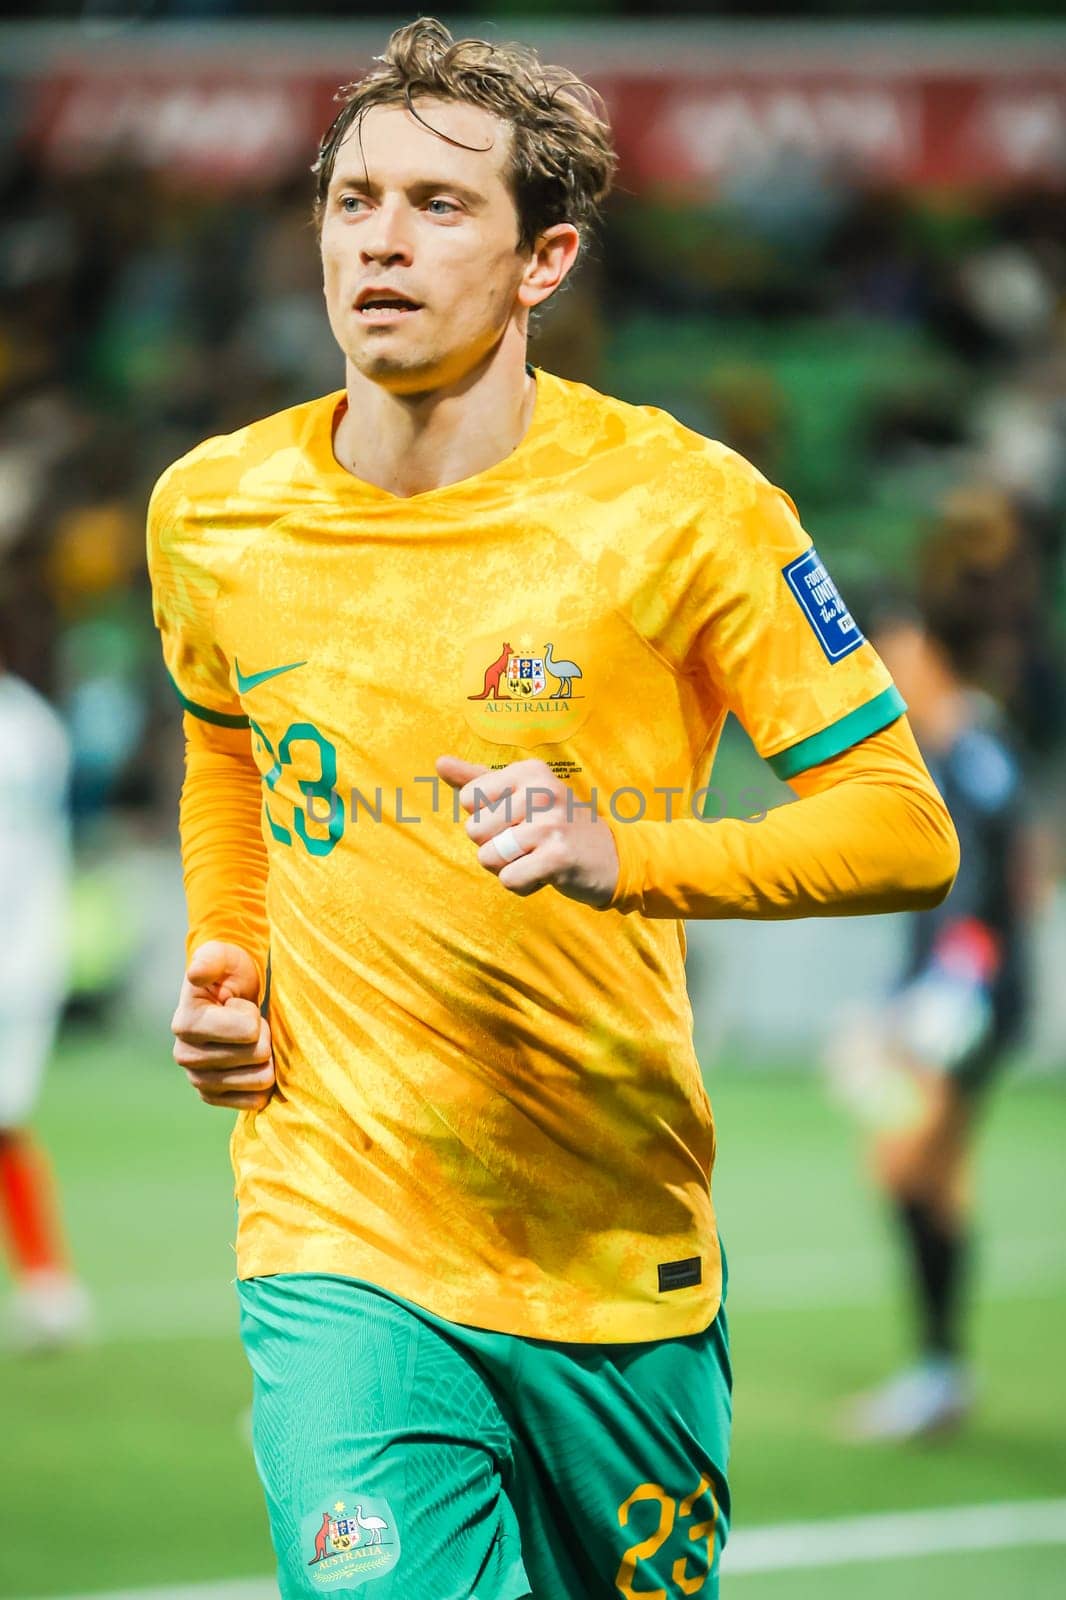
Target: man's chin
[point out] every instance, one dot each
(401, 373)
(406, 369)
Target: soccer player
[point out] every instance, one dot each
(959, 1007)
(455, 646)
(50, 1307)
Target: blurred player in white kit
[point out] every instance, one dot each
(49, 1307)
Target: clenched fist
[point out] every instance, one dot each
(221, 1040)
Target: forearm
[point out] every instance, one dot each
(223, 855)
(870, 833)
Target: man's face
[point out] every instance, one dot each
(420, 245)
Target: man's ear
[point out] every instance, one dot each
(554, 253)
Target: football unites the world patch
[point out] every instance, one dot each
(349, 1542)
(819, 600)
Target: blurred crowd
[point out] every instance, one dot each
(897, 362)
(243, 10)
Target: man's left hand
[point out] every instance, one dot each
(541, 823)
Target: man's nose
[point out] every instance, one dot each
(386, 236)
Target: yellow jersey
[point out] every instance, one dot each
(487, 1104)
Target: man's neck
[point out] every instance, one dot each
(412, 444)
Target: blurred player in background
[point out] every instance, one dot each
(49, 1307)
(924, 1067)
(480, 1278)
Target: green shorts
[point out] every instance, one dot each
(430, 1461)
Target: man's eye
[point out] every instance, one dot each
(351, 203)
(441, 208)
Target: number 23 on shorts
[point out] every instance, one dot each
(670, 1511)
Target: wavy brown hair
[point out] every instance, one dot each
(562, 159)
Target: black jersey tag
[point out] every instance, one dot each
(680, 1274)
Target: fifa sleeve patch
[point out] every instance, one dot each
(819, 599)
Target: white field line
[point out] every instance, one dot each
(206, 1307)
(787, 1547)
(236, 1589)
(804, 1281)
(895, 1535)
(839, 1279)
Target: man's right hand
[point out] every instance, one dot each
(221, 1039)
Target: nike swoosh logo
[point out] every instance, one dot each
(254, 679)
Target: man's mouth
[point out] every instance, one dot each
(384, 305)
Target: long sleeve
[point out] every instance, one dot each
(223, 855)
(869, 833)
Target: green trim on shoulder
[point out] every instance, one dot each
(221, 719)
(876, 714)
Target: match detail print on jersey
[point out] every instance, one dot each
(821, 603)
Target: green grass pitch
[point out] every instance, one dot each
(125, 1466)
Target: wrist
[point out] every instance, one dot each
(629, 890)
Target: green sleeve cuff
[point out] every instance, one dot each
(221, 719)
(876, 714)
